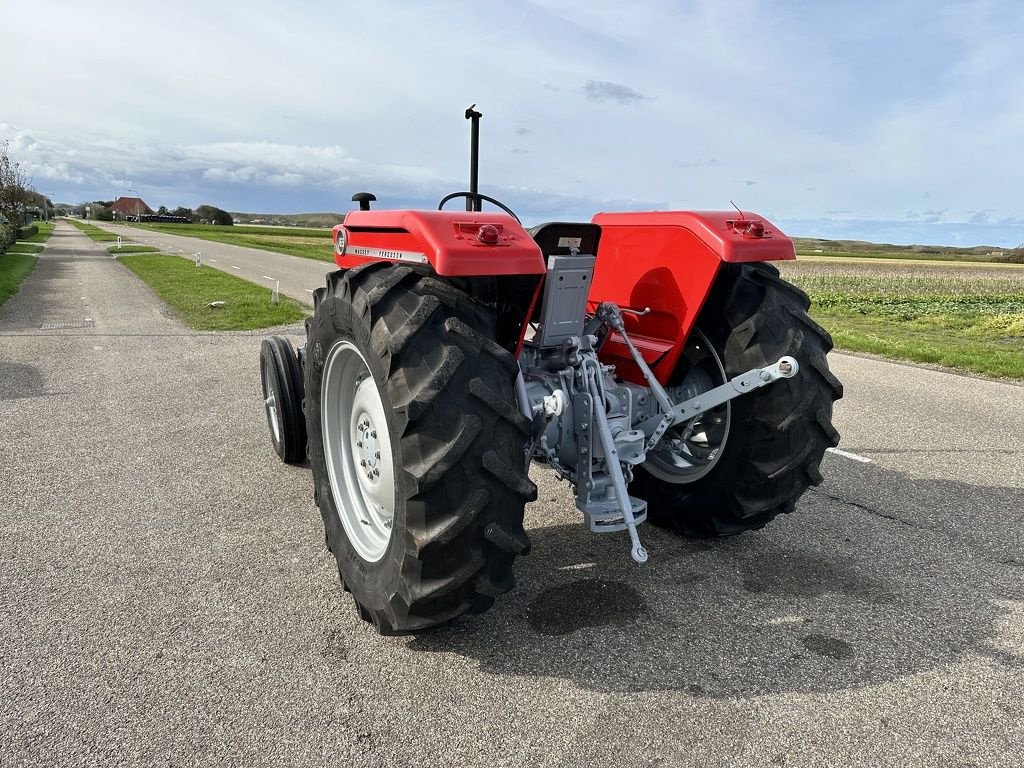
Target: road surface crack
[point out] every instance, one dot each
(876, 512)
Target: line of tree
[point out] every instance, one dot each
(211, 214)
(204, 214)
(100, 210)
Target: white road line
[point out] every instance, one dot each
(309, 290)
(234, 267)
(268, 277)
(213, 260)
(848, 455)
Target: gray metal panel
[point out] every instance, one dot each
(565, 298)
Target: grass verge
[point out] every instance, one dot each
(190, 290)
(45, 230)
(14, 268)
(97, 234)
(967, 318)
(117, 250)
(26, 247)
(308, 243)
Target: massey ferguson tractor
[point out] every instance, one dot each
(654, 360)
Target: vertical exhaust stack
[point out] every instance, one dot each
(473, 202)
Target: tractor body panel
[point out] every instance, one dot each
(667, 261)
(450, 241)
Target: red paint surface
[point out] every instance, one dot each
(667, 260)
(449, 239)
(664, 260)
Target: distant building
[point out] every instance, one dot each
(129, 208)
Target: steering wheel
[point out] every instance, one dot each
(474, 196)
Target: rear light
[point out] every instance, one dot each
(488, 234)
(748, 228)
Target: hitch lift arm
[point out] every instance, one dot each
(610, 314)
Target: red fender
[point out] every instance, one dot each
(667, 260)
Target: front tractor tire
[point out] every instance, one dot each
(750, 460)
(416, 445)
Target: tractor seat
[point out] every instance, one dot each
(558, 238)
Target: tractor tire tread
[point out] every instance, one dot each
(753, 317)
(277, 353)
(461, 482)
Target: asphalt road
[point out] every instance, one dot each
(165, 597)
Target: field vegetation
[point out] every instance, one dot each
(955, 315)
(326, 220)
(857, 249)
(94, 232)
(190, 290)
(308, 243)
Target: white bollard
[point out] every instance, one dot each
(199, 258)
(119, 242)
(275, 297)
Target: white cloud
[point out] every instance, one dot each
(655, 103)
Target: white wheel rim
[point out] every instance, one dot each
(682, 466)
(270, 403)
(357, 448)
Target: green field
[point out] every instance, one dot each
(955, 315)
(189, 290)
(94, 232)
(289, 219)
(14, 267)
(295, 241)
(858, 249)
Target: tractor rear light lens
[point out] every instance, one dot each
(755, 229)
(488, 234)
(340, 242)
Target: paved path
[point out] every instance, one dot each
(165, 597)
(298, 276)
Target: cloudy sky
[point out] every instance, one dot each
(900, 121)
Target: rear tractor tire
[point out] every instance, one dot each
(281, 377)
(748, 461)
(416, 446)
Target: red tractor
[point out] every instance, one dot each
(654, 360)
